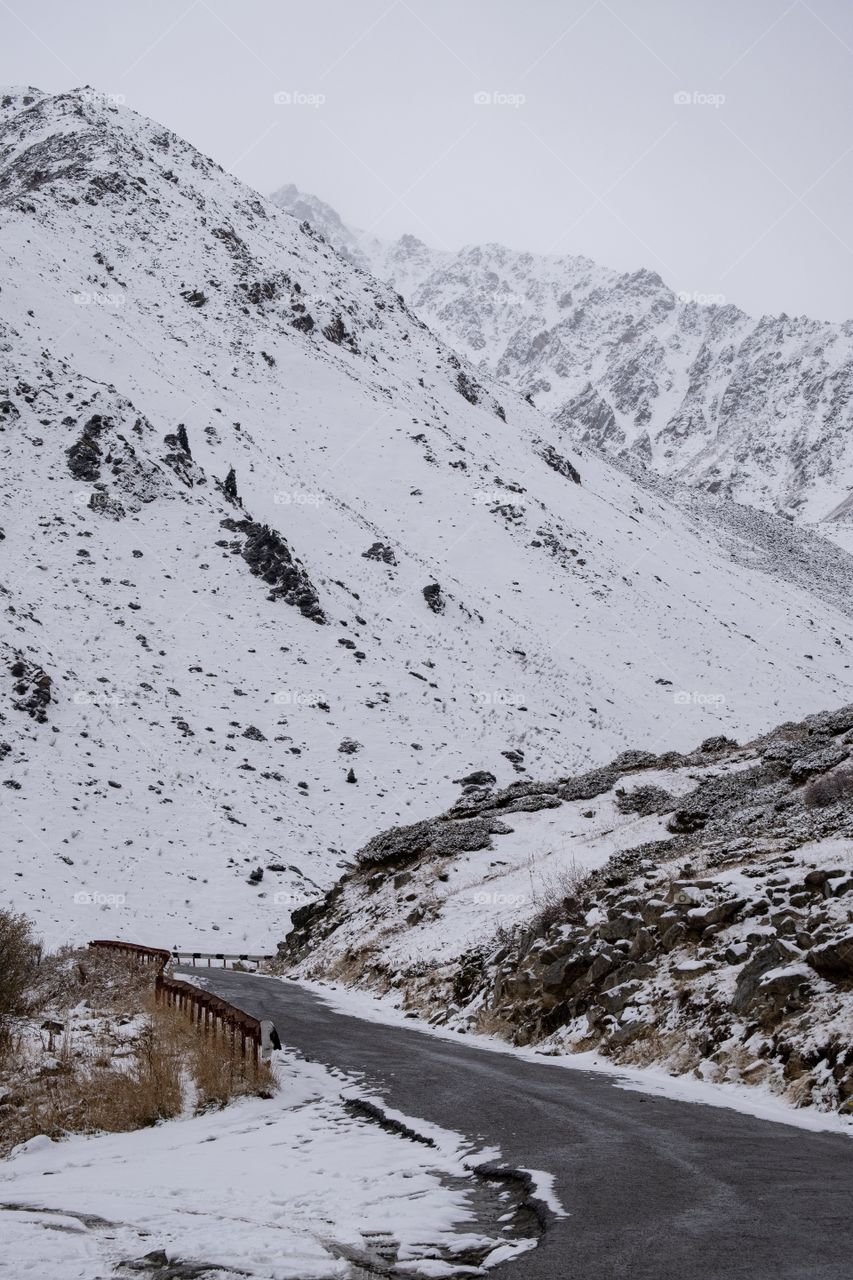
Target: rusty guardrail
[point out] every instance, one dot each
(212, 1014)
(149, 955)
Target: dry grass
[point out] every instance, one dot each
(350, 967)
(558, 898)
(105, 980)
(218, 1074)
(489, 1023)
(127, 1066)
(81, 1089)
(656, 1045)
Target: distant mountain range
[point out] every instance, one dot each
(758, 410)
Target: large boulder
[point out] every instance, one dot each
(834, 959)
(815, 762)
(772, 981)
(561, 974)
(432, 838)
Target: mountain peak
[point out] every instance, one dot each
(323, 218)
(680, 379)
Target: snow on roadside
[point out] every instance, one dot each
(751, 1100)
(282, 1188)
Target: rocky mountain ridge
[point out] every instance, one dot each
(757, 410)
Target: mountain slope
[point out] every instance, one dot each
(691, 911)
(758, 410)
(278, 566)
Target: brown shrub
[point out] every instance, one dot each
(19, 956)
(106, 980)
(558, 899)
(83, 1087)
(829, 787)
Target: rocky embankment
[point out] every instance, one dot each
(722, 947)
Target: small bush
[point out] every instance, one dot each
(828, 788)
(19, 956)
(559, 899)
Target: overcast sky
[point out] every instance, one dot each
(745, 190)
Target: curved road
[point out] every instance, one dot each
(654, 1189)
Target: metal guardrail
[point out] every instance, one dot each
(191, 957)
(212, 1014)
(148, 955)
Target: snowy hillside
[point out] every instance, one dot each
(216, 686)
(754, 409)
(691, 911)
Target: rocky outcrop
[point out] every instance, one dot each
(269, 557)
(434, 597)
(84, 455)
(32, 689)
(380, 551)
(558, 463)
(436, 838)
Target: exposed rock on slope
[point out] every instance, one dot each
(694, 911)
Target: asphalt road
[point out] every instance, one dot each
(655, 1189)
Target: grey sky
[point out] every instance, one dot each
(749, 197)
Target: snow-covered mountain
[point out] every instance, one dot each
(759, 410)
(687, 911)
(278, 565)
